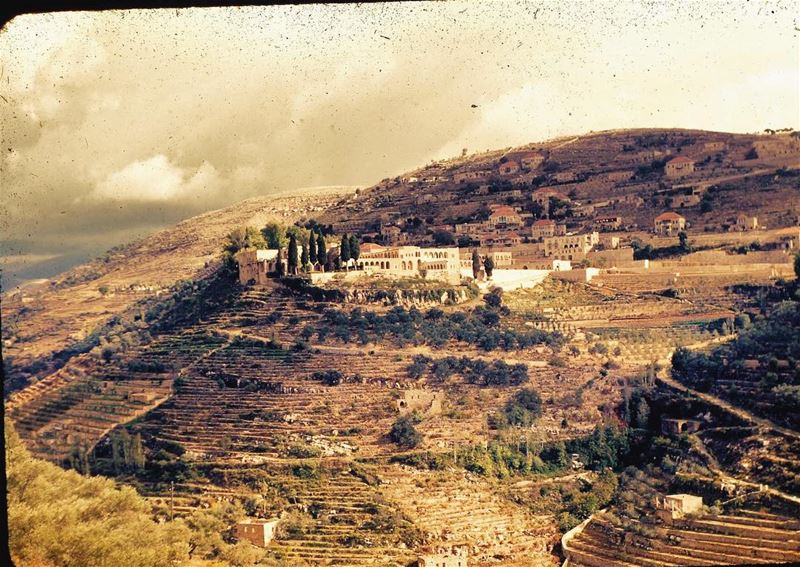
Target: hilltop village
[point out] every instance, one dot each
(537, 210)
(583, 351)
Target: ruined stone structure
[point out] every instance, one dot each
(678, 426)
(746, 222)
(428, 402)
(777, 146)
(254, 265)
(256, 531)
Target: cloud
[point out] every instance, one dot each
(156, 179)
(119, 122)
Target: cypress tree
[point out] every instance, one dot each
(355, 247)
(344, 249)
(322, 250)
(476, 263)
(488, 265)
(116, 453)
(138, 453)
(312, 248)
(304, 257)
(279, 264)
(292, 254)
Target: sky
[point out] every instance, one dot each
(118, 123)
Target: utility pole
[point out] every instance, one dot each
(171, 500)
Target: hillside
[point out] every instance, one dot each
(616, 173)
(381, 418)
(42, 321)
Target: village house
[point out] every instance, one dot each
(746, 222)
(458, 558)
(777, 146)
(543, 228)
(501, 259)
(619, 175)
(411, 261)
(676, 506)
(650, 155)
(609, 242)
(679, 167)
(714, 146)
(256, 531)
(391, 234)
(573, 247)
(542, 196)
(504, 238)
(504, 216)
(531, 160)
(509, 167)
(475, 175)
(470, 228)
(608, 223)
(565, 176)
(669, 224)
(526, 160)
(583, 211)
(681, 201)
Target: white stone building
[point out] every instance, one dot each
(573, 247)
(411, 261)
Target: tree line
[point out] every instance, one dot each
(306, 247)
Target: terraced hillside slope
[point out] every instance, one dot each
(276, 391)
(43, 324)
(388, 418)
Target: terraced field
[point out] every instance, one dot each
(242, 394)
(748, 536)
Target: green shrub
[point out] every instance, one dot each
(404, 434)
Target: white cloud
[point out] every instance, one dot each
(156, 179)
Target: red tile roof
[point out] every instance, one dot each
(668, 216)
(680, 160)
(544, 222)
(369, 247)
(503, 211)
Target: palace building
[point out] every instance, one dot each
(411, 261)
